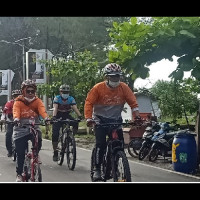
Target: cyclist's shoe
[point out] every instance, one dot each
(55, 156)
(9, 154)
(97, 175)
(19, 178)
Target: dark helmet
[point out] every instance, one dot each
(64, 88)
(28, 83)
(16, 92)
(112, 69)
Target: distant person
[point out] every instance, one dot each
(8, 116)
(63, 104)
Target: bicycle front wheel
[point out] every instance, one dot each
(37, 173)
(120, 167)
(71, 151)
(61, 149)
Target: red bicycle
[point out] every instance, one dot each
(32, 171)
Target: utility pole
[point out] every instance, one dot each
(23, 60)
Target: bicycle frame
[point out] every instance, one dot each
(31, 163)
(113, 154)
(68, 144)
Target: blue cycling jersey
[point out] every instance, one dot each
(64, 105)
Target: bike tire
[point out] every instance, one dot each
(134, 147)
(92, 164)
(61, 150)
(120, 167)
(37, 173)
(71, 151)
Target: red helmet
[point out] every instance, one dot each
(28, 83)
(16, 92)
(112, 69)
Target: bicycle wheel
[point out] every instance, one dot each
(92, 164)
(120, 167)
(134, 146)
(71, 151)
(61, 149)
(37, 173)
(27, 169)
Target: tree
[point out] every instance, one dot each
(176, 98)
(138, 45)
(81, 73)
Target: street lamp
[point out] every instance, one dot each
(23, 52)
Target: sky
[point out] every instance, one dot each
(159, 71)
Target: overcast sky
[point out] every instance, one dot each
(159, 71)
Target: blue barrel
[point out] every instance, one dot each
(184, 152)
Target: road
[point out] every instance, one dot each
(53, 173)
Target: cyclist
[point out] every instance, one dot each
(7, 115)
(26, 106)
(104, 104)
(62, 106)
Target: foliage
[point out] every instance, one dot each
(176, 98)
(138, 45)
(81, 73)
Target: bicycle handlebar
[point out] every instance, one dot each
(134, 123)
(67, 121)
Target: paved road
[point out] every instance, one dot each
(52, 172)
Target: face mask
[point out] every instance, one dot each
(65, 96)
(113, 84)
(29, 100)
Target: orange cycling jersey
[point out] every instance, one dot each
(108, 102)
(21, 110)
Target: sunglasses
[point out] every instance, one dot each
(30, 91)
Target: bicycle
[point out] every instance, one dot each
(31, 170)
(115, 163)
(66, 143)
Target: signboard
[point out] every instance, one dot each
(6, 77)
(35, 68)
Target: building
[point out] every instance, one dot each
(147, 106)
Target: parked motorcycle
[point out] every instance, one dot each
(147, 142)
(162, 145)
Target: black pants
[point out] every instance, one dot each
(9, 133)
(100, 134)
(58, 125)
(21, 145)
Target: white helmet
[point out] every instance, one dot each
(112, 69)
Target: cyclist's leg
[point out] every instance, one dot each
(9, 133)
(100, 136)
(73, 124)
(20, 147)
(55, 135)
(120, 135)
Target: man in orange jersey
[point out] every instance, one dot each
(26, 106)
(104, 104)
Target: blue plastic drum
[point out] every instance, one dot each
(184, 152)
